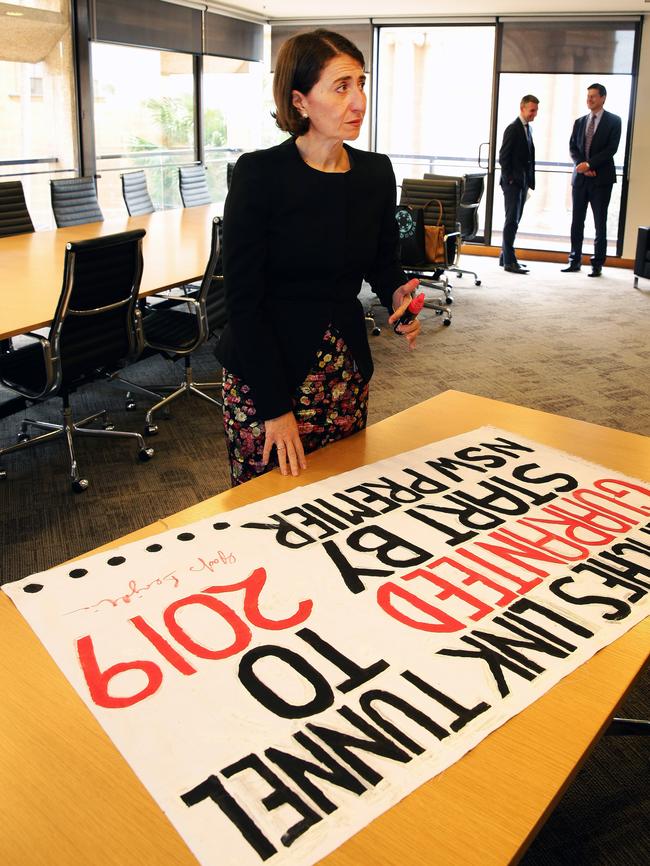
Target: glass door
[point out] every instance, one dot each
(557, 60)
(434, 100)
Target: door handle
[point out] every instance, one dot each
(480, 154)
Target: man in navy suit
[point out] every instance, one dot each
(517, 161)
(594, 141)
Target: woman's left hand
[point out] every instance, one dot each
(402, 297)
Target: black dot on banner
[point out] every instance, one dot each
(154, 548)
(185, 536)
(78, 572)
(116, 560)
(33, 587)
(220, 525)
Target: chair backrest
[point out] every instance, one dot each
(212, 284)
(420, 191)
(472, 188)
(193, 185)
(97, 323)
(135, 192)
(14, 216)
(230, 167)
(74, 201)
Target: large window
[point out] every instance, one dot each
(557, 61)
(233, 108)
(144, 118)
(37, 105)
(435, 97)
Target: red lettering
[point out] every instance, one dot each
(252, 587)
(524, 585)
(442, 622)
(163, 646)
(242, 633)
(98, 681)
(473, 576)
(448, 589)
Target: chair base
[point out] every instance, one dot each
(460, 271)
(628, 728)
(441, 306)
(375, 330)
(189, 386)
(69, 429)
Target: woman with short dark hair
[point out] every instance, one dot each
(305, 223)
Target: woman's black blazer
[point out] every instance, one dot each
(297, 244)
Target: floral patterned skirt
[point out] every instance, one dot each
(330, 404)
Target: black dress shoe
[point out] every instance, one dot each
(596, 272)
(571, 269)
(515, 269)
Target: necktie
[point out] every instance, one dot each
(529, 136)
(589, 135)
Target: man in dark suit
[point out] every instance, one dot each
(594, 141)
(517, 161)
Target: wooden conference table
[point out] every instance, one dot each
(67, 797)
(175, 249)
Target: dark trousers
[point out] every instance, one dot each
(598, 198)
(514, 200)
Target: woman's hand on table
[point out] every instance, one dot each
(282, 434)
(402, 297)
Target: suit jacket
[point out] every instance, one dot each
(516, 159)
(297, 244)
(603, 147)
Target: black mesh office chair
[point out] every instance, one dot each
(74, 201)
(96, 327)
(176, 332)
(472, 189)
(193, 185)
(14, 220)
(426, 193)
(135, 192)
(14, 216)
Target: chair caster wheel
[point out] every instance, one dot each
(145, 454)
(108, 425)
(3, 474)
(80, 486)
(447, 323)
(150, 429)
(458, 276)
(449, 300)
(477, 282)
(23, 437)
(376, 332)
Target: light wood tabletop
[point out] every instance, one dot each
(175, 249)
(68, 798)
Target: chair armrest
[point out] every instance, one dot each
(36, 336)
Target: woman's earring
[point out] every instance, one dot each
(305, 115)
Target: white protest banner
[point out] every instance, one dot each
(279, 675)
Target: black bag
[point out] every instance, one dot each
(410, 221)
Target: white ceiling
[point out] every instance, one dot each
(332, 9)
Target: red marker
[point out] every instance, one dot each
(412, 311)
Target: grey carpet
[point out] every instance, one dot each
(563, 343)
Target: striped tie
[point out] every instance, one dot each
(589, 135)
